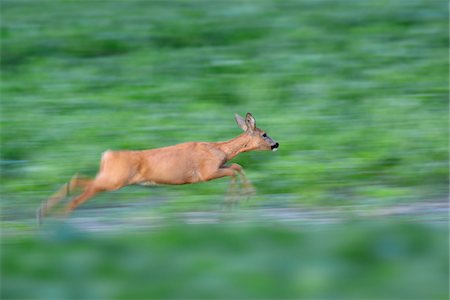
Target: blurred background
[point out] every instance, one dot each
(353, 205)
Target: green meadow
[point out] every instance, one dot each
(355, 92)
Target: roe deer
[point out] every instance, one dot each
(185, 163)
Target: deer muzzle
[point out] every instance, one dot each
(274, 147)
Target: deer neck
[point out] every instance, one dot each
(236, 145)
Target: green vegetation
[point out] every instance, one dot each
(355, 92)
(370, 261)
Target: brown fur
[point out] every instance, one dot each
(185, 163)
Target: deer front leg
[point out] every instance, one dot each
(222, 172)
(248, 187)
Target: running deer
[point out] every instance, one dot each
(185, 163)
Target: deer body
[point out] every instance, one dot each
(184, 163)
(179, 164)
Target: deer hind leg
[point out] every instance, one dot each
(88, 193)
(74, 184)
(101, 183)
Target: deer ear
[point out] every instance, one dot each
(250, 122)
(240, 121)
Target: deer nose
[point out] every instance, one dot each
(275, 147)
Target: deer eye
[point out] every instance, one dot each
(264, 135)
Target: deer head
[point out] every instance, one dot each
(259, 138)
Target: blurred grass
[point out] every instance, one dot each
(370, 260)
(355, 92)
